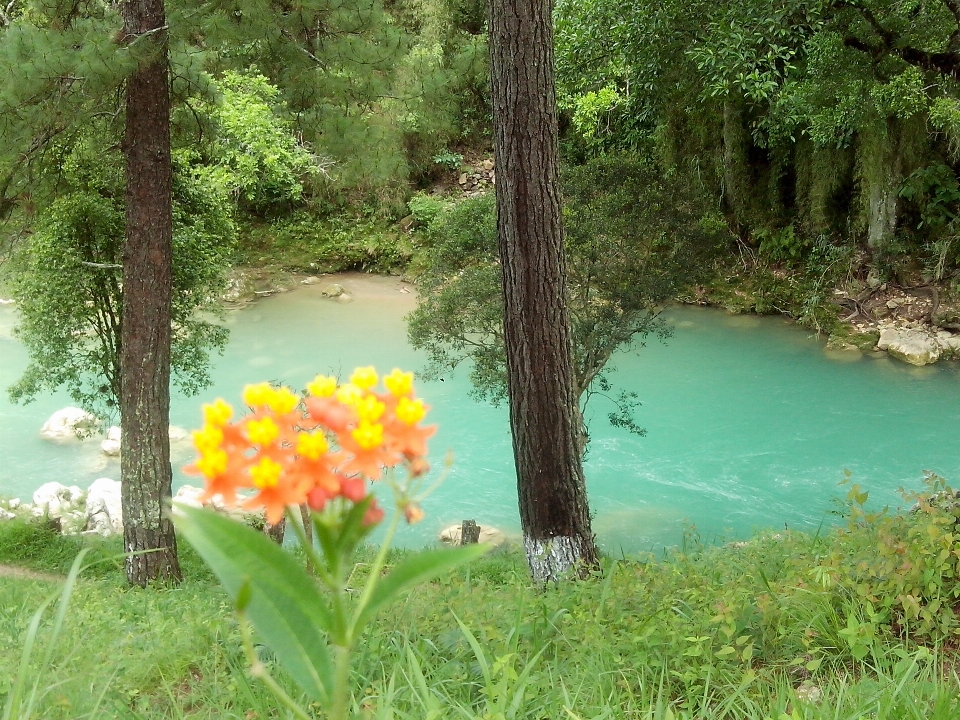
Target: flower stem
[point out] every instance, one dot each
(341, 683)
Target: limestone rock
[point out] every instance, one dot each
(949, 344)
(343, 298)
(69, 423)
(111, 445)
(13, 503)
(312, 280)
(451, 535)
(178, 434)
(59, 502)
(6, 515)
(104, 510)
(189, 495)
(332, 290)
(912, 346)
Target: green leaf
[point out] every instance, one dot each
(414, 571)
(284, 603)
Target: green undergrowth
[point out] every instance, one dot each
(855, 623)
(302, 242)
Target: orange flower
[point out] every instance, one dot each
(282, 449)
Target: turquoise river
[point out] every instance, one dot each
(751, 423)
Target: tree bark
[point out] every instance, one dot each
(544, 410)
(145, 472)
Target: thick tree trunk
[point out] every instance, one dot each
(881, 175)
(145, 471)
(736, 181)
(544, 410)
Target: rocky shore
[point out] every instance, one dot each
(917, 325)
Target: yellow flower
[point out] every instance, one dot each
(262, 432)
(207, 438)
(364, 377)
(266, 473)
(349, 394)
(212, 463)
(283, 400)
(218, 412)
(399, 383)
(257, 395)
(410, 411)
(368, 435)
(311, 446)
(322, 386)
(369, 409)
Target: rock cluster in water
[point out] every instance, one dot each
(914, 325)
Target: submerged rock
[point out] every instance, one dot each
(69, 423)
(332, 290)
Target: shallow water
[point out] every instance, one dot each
(750, 423)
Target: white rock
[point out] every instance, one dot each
(69, 423)
(178, 433)
(104, 511)
(111, 446)
(6, 515)
(451, 535)
(55, 499)
(312, 280)
(912, 346)
(189, 495)
(14, 503)
(949, 343)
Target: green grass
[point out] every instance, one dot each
(764, 630)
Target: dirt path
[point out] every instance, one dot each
(24, 574)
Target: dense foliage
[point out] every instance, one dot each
(813, 120)
(68, 288)
(635, 235)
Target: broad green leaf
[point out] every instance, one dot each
(413, 571)
(284, 605)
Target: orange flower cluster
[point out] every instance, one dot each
(293, 450)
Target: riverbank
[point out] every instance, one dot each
(780, 626)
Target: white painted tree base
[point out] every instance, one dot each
(553, 559)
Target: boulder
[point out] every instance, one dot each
(332, 290)
(912, 346)
(189, 495)
(111, 445)
(104, 510)
(13, 503)
(6, 515)
(178, 434)
(451, 535)
(950, 344)
(69, 423)
(55, 499)
(312, 280)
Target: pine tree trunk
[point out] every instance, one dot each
(544, 410)
(145, 471)
(736, 182)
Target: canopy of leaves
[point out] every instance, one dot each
(634, 236)
(68, 289)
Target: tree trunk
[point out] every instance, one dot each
(736, 181)
(145, 471)
(881, 175)
(544, 410)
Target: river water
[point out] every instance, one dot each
(750, 422)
